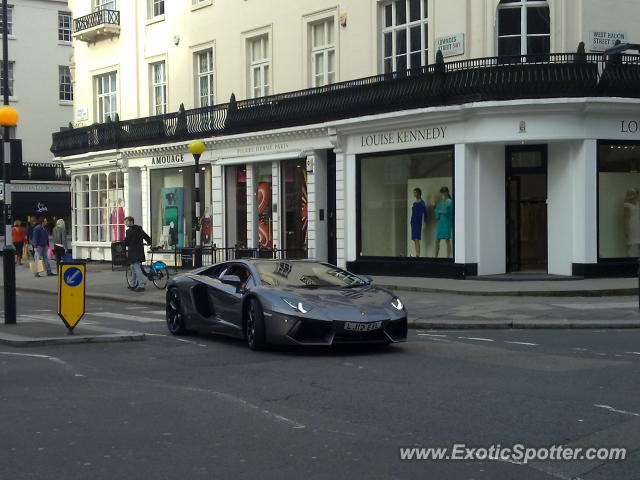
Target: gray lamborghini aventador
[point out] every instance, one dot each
(290, 302)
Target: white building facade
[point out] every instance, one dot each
(525, 160)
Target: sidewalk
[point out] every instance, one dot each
(434, 303)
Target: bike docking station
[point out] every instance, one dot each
(71, 293)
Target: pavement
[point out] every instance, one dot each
(496, 302)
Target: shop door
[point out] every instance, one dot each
(332, 244)
(526, 203)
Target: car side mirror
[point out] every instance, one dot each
(232, 280)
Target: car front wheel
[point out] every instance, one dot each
(254, 330)
(175, 316)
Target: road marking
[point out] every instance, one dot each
(430, 335)
(124, 316)
(523, 343)
(191, 342)
(157, 312)
(478, 339)
(615, 410)
(597, 306)
(46, 357)
(632, 353)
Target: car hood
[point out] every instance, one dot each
(345, 303)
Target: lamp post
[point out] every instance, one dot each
(197, 148)
(8, 119)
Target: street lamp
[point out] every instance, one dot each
(197, 148)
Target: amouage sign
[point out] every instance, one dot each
(404, 136)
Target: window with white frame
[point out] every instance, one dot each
(258, 66)
(524, 27)
(99, 207)
(9, 20)
(155, 8)
(158, 88)
(405, 35)
(197, 2)
(204, 78)
(323, 53)
(11, 92)
(106, 86)
(65, 86)
(104, 4)
(64, 26)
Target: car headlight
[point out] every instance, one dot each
(297, 305)
(397, 304)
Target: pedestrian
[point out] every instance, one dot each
(59, 240)
(40, 242)
(134, 241)
(18, 237)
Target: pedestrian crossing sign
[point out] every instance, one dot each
(71, 292)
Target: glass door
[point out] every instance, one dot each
(295, 220)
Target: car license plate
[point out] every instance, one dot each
(362, 327)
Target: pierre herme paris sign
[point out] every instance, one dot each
(403, 137)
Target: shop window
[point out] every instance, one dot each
(619, 200)
(173, 206)
(524, 28)
(263, 189)
(99, 207)
(405, 36)
(295, 220)
(406, 204)
(236, 199)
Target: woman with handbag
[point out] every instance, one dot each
(18, 237)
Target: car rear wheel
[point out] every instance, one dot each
(175, 316)
(254, 331)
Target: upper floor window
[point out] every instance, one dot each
(64, 26)
(204, 77)
(159, 88)
(155, 8)
(323, 53)
(404, 34)
(65, 86)
(104, 4)
(11, 92)
(259, 66)
(524, 27)
(9, 20)
(106, 96)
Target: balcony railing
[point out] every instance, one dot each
(44, 172)
(96, 25)
(484, 79)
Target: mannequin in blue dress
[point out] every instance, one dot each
(444, 214)
(418, 214)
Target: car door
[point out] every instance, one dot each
(227, 301)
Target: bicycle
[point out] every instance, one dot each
(158, 272)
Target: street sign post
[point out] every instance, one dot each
(71, 293)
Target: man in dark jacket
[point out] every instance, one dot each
(40, 241)
(134, 241)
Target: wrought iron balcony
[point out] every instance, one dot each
(97, 25)
(454, 83)
(43, 172)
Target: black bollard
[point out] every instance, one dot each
(9, 267)
(197, 260)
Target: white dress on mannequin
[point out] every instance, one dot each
(632, 219)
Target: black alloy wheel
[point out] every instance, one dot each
(254, 330)
(175, 318)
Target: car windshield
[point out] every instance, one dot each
(287, 273)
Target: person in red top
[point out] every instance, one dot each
(18, 237)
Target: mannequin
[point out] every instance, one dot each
(205, 227)
(418, 213)
(632, 221)
(444, 213)
(118, 214)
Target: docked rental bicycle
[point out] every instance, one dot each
(158, 273)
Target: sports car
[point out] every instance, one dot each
(286, 302)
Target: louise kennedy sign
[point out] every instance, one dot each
(404, 137)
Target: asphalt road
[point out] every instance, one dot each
(207, 407)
